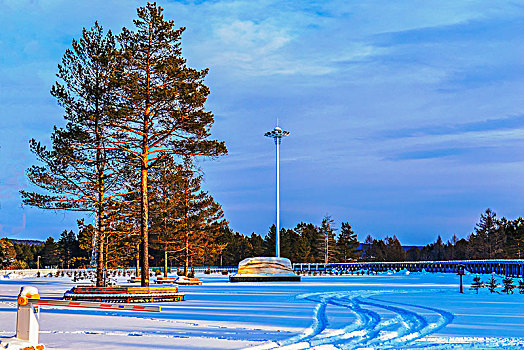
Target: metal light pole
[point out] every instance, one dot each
(38, 262)
(277, 134)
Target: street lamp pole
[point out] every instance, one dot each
(277, 134)
(38, 262)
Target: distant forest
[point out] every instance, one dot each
(492, 238)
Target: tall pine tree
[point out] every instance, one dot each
(80, 172)
(194, 218)
(347, 244)
(327, 239)
(162, 105)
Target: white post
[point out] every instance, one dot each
(27, 326)
(27, 316)
(277, 142)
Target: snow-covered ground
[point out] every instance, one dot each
(386, 311)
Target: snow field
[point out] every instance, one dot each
(385, 311)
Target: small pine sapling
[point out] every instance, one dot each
(508, 285)
(492, 285)
(521, 286)
(477, 284)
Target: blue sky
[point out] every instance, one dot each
(406, 117)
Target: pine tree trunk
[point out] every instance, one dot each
(105, 265)
(186, 267)
(144, 205)
(100, 277)
(144, 219)
(137, 273)
(326, 251)
(165, 262)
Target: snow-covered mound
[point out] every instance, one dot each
(265, 266)
(264, 269)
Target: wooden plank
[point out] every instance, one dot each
(120, 290)
(92, 305)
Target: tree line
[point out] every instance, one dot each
(492, 238)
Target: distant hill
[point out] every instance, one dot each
(26, 241)
(407, 247)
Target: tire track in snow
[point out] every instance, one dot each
(407, 322)
(301, 341)
(444, 319)
(368, 329)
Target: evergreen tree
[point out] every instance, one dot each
(452, 244)
(7, 253)
(121, 236)
(394, 250)
(162, 104)
(86, 233)
(193, 219)
(80, 172)
(347, 244)
(164, 188)
(492, 285)
(521, 286)
(438, 251)
(378, 250)
(26, 253)
(460, 250)
(50, 253)
(476, 284)
(508, 285)
(368, 247)
(327, 241)
(310, 237)
(489, 238)
(303, 249)
(514, 230)
(228, 255)
(257, 245)
(68, 248)
(413, 254)
(270, 242)
(289, 240)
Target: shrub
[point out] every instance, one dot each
(18, 265)
(508, 285)
(492, 285)
(477, 284)
(521, 286)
